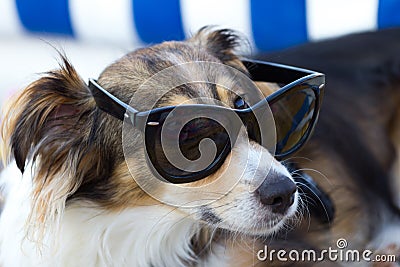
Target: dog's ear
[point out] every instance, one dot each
(52, 124)
(45, 115)
(220, 43)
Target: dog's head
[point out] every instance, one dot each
(78, 149)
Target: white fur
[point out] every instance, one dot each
(89, 236)
(246, 213)
(388, 231)
(389, 234)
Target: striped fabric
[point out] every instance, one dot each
(268, 24)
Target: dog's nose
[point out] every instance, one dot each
(279, 193)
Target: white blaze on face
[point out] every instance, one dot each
(240, 209)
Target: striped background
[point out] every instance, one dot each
(94, 33)
(268, 24)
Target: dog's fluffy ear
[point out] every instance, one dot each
(220, 43)
(52, 124)
(45, 116)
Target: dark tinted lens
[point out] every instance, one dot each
(197, 130)
(192, 139)
(293, 114)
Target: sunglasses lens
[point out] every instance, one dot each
(201, 129)
(183, 148)
(293, 114)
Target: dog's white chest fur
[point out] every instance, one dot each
(89, 236)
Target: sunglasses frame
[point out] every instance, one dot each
(260, 71)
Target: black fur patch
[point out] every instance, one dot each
(209, 216)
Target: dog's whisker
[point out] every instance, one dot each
(313, 170)
(303, 209)
(288, 160)
(319, 199)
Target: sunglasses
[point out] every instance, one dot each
(294, 107)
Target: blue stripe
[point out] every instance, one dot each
(158, 20)
(278, 24)
(50, 16)
(388, 13)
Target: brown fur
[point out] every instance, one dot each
(354, 153)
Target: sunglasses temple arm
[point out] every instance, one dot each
(111, 104)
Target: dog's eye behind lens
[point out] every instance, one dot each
(240, 103)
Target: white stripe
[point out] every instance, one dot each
(222, 13)
(26, 56)
(104, 20)
(331, 18)
(9, 20)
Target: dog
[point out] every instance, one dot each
(79, 202)
(78, 197)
